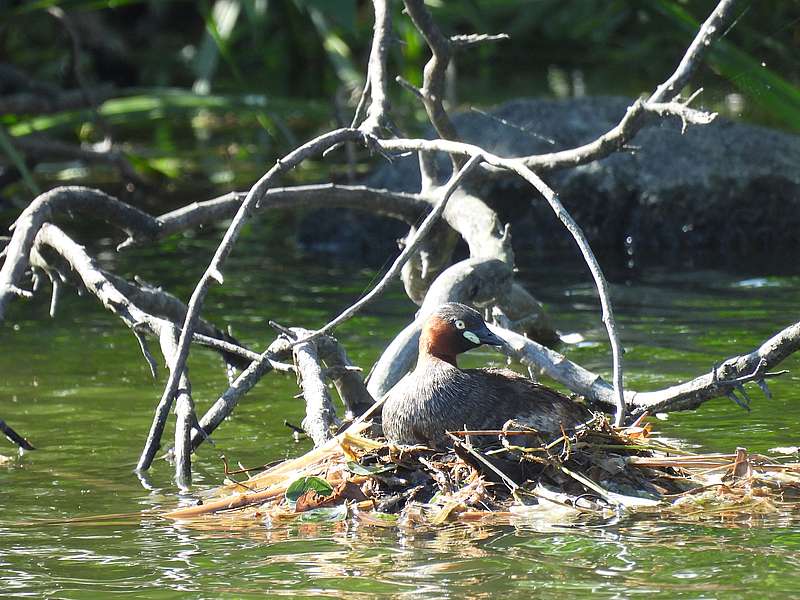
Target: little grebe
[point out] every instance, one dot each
(437, 396)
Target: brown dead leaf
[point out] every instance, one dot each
(346, 490)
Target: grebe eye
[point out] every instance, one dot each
(460, 324)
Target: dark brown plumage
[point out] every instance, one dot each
(438, 396)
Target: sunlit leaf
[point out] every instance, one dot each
(302, 485)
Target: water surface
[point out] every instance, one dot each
(78, 388)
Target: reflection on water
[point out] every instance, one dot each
(77, 387)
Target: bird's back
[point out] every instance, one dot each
(437, 397)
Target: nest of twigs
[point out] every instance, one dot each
(595, 471)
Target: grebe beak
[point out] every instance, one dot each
(485, 336)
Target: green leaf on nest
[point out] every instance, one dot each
(300, 486)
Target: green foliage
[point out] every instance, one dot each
(300, 486)
(205, 89)
(753, 77)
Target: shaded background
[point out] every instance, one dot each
(201, 96)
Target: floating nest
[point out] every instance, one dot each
(595, 472)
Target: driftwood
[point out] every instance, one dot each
(441, 213)
(320, 413)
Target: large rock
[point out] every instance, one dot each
(719, 193)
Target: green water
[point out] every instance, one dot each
(77, 387)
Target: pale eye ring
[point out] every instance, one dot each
(460, 324)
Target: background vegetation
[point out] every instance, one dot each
(201, 96)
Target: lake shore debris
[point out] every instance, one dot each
(596, 472)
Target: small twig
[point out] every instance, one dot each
(56, 283)
(462, 433)
(745, 404)
(148, 356)
(361, 107)
(464, 41)
(294, 428)
(404, 83)
(283, 330)
(585, 481)
(14, 437)
(510, 483)
(228, 473)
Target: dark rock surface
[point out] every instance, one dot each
(715, 195)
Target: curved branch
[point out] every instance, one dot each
(518, 166)
(398, 205)
(214, 269)
(64, 200)
(74, 201)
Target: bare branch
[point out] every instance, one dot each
(320, 414)
(184, 412)
(376, 71)
(433, 83)
(597, 274)
(634, 119)
(398, 205)
(407, 252)
(709, 31)
(63, 201)
(214, 269)
(719, 381)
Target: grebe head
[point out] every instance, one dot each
(454, 328)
